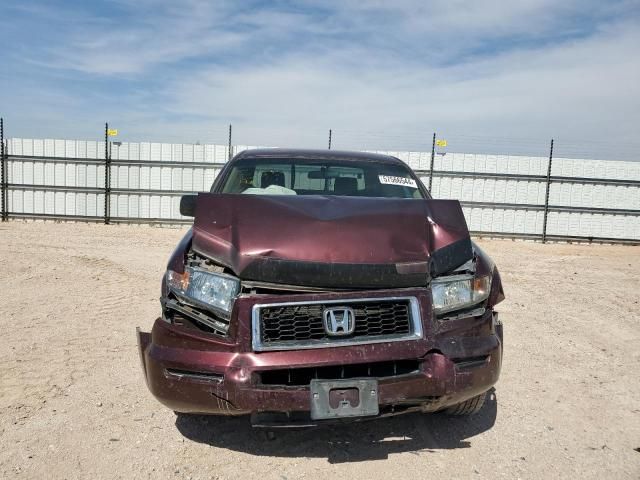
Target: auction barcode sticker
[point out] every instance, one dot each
(402, 181)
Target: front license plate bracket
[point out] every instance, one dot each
(343, 398)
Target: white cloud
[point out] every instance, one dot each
(583, 89)
(381, 74)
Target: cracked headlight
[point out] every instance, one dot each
(206, 289)
(459, 291)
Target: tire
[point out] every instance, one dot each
(468, 407)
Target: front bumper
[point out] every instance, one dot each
(197, 375)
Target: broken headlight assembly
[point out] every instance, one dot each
(212, 291)
(456, 292)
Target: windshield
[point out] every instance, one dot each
(268, 176)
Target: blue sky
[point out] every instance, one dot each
(487, 75)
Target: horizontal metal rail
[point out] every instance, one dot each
(519, 235)
(501, 205)
(128, 163)
(189, 221)
(576, 238)
(529, 178)
(141, 191)
(54, 188)
(100, 218)
(98, 190)
(552, 208)
(595, 210)
(556, 238)
(421, 173)
(168, 221)
(468, 204)
(41, 159)
(161, 163)
(55, 216)
(483, 175)
(597, 181)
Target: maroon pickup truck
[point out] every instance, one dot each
(317, 286)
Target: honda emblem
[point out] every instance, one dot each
(339, 321)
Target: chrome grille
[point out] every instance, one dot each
(300, 324)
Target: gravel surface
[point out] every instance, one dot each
(73, 403)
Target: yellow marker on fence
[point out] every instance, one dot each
(441, 143)
(112, 132)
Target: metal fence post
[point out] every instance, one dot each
(329, 139)
(433, 154)
(546, 196)
(3, 170)
(230, 154)
(107, 176)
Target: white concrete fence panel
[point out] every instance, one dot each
(501, 194)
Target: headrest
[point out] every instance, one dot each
(345, 186)
(272, 178)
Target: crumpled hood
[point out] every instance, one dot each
(329, 241)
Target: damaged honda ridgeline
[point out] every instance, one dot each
(324, 285)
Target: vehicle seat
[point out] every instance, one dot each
(345, 186)
(271, 178)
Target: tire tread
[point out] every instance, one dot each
(468, 407)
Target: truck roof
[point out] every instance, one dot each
(311, 154)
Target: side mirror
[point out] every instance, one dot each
(188, 205)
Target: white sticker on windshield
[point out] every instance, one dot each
(402, 181)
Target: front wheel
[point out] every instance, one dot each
(468, 407)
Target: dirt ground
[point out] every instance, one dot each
(73, 403)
